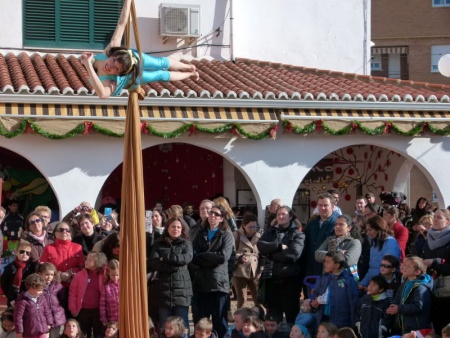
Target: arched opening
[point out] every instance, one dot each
(175, 173)
(356, 170)
(23, 182)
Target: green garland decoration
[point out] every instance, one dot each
(442, 132)
(107, 132)
(175, 133)
(354, 125)
(376, 131)
(14, 133)
(236, 128)
(72, 133)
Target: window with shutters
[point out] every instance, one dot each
(72, 24)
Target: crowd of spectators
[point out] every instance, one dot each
(376, 271)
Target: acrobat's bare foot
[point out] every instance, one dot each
(195, 76)
(191, 68)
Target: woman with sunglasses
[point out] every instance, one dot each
(213, 246)
(37, 236)
(66, 256)
(15, 273)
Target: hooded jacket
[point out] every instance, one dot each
(372, 316)
(343, 298)
(51, 294)
(414, 303)
(31, 318)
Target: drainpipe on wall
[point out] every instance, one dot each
(231, 33)
(365, 56)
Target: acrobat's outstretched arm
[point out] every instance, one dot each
(116, 39)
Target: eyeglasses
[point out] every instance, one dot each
(213, 213)
(61, 230)
(385, 266)
(44, 217)
(34, 221)
(21, 252)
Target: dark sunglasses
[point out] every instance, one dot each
(385, 266)
(33, 222)
(21, 252)
(213, 213)
(61, 230)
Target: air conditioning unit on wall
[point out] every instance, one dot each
(179, 20)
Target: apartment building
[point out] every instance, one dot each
(410, 37)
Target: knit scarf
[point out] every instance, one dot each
(19, 273)
(335, 243)
(40, 239)
(438, 238)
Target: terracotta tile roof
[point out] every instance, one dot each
(244, 79)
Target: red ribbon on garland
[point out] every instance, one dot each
(88, 127)
(288, 128)
(387, 127)
(425, 128)
(192, 130)
(234, 130)
(144, 128)
(273, 131)
(29, 128)
(319, 124)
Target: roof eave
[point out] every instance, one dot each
(227, 103)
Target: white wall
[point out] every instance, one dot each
(77, 171)
(311, 33)
(11, 21)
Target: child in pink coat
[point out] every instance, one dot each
(109, 298)
(84, 294)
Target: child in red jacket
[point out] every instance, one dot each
(32, 315)
(84, 294)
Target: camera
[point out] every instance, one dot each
(84, 208)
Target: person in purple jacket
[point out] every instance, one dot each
(32, 315)
(52, 293)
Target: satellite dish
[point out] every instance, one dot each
(444, 65)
